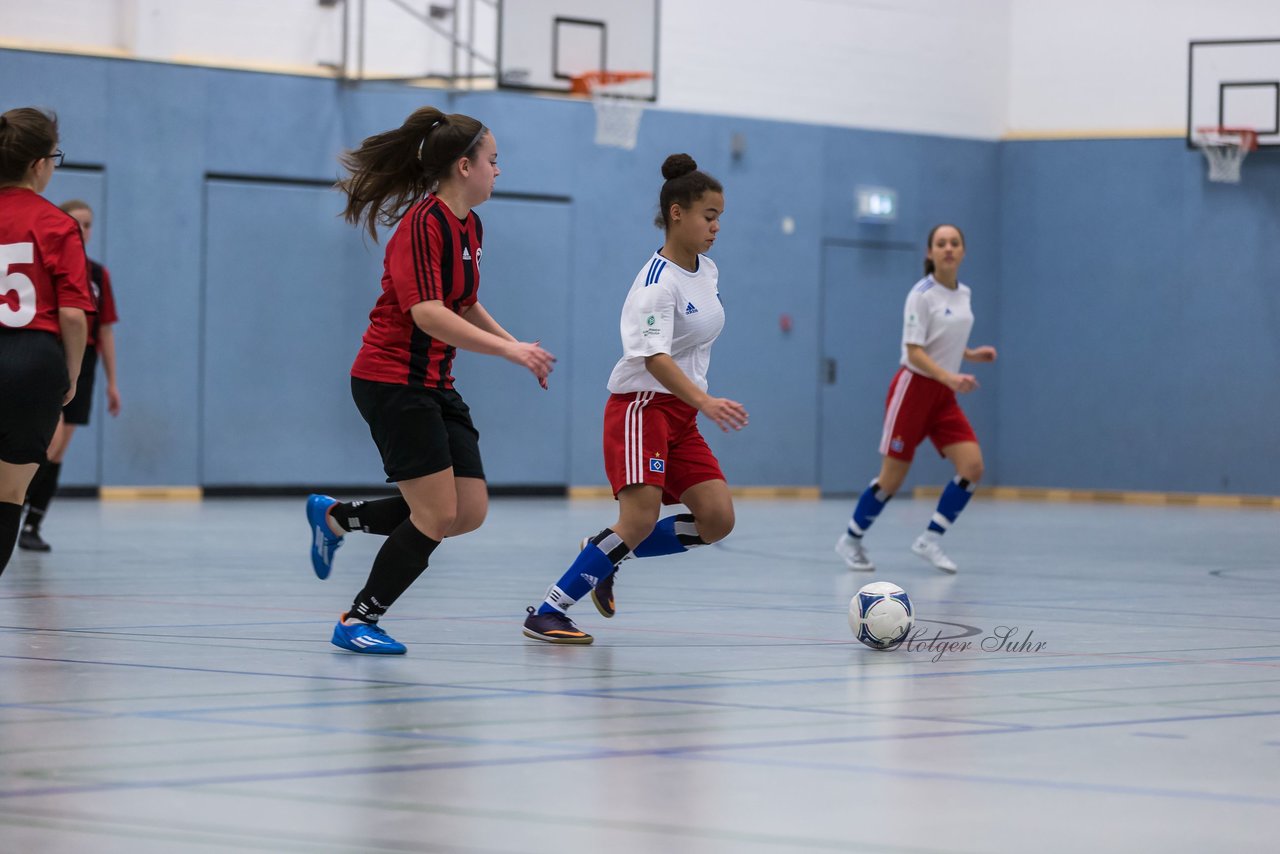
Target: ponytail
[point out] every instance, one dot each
(392, 170)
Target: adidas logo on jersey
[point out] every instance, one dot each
(690, 309)
(466, 254)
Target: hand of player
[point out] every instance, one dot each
(542, 381)
(962, 383)
(981, 354)
(727, 414)
(531, 356)
(113, 400)
(71, 393)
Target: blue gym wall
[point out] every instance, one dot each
(1139, 308)
(1130, 301)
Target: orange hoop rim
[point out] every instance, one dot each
(1214, 135)
(584, 83)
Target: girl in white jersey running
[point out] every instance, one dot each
(922, 403)
(653, 452)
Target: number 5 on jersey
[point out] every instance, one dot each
(16, 283)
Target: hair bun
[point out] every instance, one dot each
(677, 165)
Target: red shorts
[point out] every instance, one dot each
(919, 407)
(651, 437)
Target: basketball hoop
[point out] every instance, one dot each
(618, 98)
(1225, 149)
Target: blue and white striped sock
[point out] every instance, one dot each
(592, 564)
(953, 500)
(868, 508)
(670, 536)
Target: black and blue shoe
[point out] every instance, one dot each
(365, 638)
(323, 541)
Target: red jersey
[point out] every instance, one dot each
(42, 262)
(432, 256)
(103, 298)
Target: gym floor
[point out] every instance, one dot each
(1096, 677)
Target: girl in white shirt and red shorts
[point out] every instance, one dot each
(922, 403)
(653, 452)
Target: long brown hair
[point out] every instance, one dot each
(928, 244)
(392, 170)
(684, 186)
(26, 135)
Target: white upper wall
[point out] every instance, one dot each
(973, 68)
(927, 66)
(1116, 66)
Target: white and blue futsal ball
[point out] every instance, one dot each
(881, 615)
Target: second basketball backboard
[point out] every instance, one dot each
(1235, 84)
(542, 44)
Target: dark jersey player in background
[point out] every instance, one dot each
(101, 341)
(44, 297)
(426, 175)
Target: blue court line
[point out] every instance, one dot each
(623, 692)
(1019, 782)
(693, 752)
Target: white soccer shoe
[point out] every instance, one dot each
(929, 551)
(855, 556)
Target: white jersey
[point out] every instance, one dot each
(668, 310)
(939, 319)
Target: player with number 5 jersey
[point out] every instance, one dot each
(44, 297)
(653, 452)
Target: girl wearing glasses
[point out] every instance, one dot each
(44, 298)
(101, 342)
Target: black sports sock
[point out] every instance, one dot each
(10, 514)
(373, 517)
(400, 561)
(40, 493)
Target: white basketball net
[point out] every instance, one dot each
(619, 108)
(1225, 150)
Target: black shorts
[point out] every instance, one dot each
(419, 431)
(33, 380)
(77, 411)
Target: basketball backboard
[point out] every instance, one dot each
(542, 44)
(1235, 83)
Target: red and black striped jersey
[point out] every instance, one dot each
(42, 263)
(100, 287)
(432, 256)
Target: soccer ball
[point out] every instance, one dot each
(881, 615)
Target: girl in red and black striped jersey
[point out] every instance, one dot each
(75, 414)
(44, 297)
(425, 177)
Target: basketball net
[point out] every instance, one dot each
(1225, 149)
(618, 99)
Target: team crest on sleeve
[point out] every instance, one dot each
(897, 444)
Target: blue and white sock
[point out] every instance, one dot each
(870, 503)
(670, 536)
(953, 500)
(595, 562)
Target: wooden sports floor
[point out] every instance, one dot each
(167, 685)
